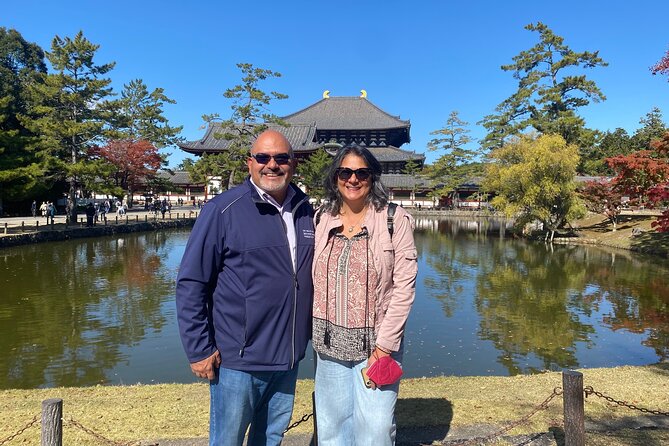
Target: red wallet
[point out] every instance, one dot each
(384, 371)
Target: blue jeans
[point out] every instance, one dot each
(347, 412)
(263, 400)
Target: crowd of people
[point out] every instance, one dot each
(263, 273)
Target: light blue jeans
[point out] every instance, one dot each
(347, 412)
(263, 400)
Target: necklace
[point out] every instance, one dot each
(351, 227)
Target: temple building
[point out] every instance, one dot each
(334, 122)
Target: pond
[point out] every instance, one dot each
(101, 311)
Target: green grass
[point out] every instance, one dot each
(167, 411)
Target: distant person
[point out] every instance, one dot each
(243, 297)
(33, 208)
(50, 213)
(42, 209)
(90, 215)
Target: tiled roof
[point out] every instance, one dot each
(346, 113)
(176, 177)
(390, 154)
(404, 181)
(300, 137)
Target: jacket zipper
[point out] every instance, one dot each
(295, 283)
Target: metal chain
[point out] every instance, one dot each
(20, 431)
(298, 422)
(482, 440)
(98, 436)
(588, 390)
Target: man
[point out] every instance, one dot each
(244, 296)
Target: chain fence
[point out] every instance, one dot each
(20, 431)
(519, 422)
(588, 390)
(102, 439)
(300, 421)
(557, 391)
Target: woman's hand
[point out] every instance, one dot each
(376, 354)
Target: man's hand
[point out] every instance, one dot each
(206, 367)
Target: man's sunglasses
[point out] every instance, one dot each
(280, 158)
(345, 174)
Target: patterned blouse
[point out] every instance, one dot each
(345, 299)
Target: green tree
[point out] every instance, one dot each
(138, 129)
(593, 160)
(534, 181)
(140, 115)
(250, 117)
(457, 163)
(653, 127)
(547, 98)
(70, 116)
(312, 173)
(21, 63)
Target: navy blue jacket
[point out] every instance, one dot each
(236, 288)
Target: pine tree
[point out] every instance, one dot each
(70, 116)
(547, 99)
(21, 63)
(249, 118)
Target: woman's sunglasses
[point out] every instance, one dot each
(345, 174)
(280, 158)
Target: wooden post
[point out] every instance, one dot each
(146, 218)
(52, 422)
(136, 218)
(574, 412)
(126, 219)
(5, 227)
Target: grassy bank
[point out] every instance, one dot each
(633, 232)
(146, 412)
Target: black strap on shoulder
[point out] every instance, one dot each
(391, 215)
(319, 211)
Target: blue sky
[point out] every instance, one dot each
(419, 60)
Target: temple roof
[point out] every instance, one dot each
(346, 113)
(300, 136)
(391, 154)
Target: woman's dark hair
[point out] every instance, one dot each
(378, 195)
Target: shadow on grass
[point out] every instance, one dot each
(423, 420)
(654, 243)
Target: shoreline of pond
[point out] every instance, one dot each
(634, 232)
(61, 232)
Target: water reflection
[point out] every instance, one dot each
(70, 309)
(85, 312)
(542, 308)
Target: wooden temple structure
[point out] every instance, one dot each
(334, 122)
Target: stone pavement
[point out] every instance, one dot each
(136, 214)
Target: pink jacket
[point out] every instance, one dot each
(397, 261)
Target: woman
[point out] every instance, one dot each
(364, 280)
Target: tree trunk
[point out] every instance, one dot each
(231, 179)
(72, 200)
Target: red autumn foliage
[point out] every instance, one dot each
(638, 172)
(644, 176)
(660, 193)
(603, 198)
(662, 67)
(134, 160)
